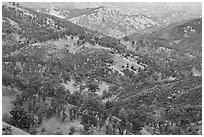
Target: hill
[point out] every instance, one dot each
(121, 19)
(79, 80)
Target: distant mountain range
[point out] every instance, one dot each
(120, 19)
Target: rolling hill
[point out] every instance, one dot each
(121, 19)
(55, 61)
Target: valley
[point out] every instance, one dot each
(101, 69)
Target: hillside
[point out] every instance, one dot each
(114, 22)
(178, 45)
(121, 19)
(59, 77)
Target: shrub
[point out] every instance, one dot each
(21, 119)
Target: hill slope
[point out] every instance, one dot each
(148, 80)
